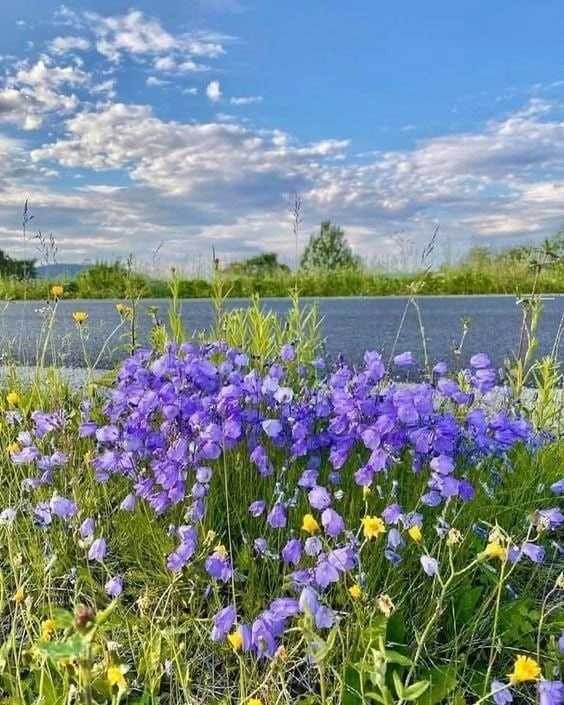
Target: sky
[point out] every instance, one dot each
(163, 129)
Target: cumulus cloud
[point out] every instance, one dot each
(37, 90)
(213, 91)
(63, 45)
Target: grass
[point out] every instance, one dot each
(481, 276)
(442, 641)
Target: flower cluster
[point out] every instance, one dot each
(171, 417)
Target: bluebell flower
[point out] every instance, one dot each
(98, 550)
(114, 586)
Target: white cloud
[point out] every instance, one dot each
(213, 91)
(63, 45)
(192, 90)
(246, 100)
(37, 90)
(154, 81)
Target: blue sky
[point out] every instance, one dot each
(186, 125)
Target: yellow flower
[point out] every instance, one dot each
(48, 629)
(355, 591)
(19, 596)
(495, 550)
(235, 639)
(115, 676)
(57, 291)
(13, 448)
(372, 527)
(525, 669)
(80, 317)
(13, 398)
(254, 701)
(124, 311)
(310, 524)
(414, 533)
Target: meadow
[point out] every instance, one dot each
(234, 519)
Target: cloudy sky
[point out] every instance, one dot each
(164, 128)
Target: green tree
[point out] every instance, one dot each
(265, 263)
(329, 249)
(17, 268)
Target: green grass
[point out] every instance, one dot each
(484, 277)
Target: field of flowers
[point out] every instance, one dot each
(238, 520)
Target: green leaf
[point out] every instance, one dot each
(70, 648)
(443, 679)
(398, 685)
(351, 690)
(395, 657)
(415, 690)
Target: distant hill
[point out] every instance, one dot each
(63, 270)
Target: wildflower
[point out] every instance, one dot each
(500, 693)
(124, 311)
(480, 361)
(62, 507)
(235, 639)
(385, 605)
(222, 623)
(551, 692)
(494, 549)
(115, 676)
(254, 701)
(558, 487)
(257, 508)
(533, 552)
(98, 550)
(80, 317)
(404, 359)
(324, 618)
(287, 353)
(355, 591)
(7, 516)
(277, 516)
(292, 551)
(429, 565)
(48, 628)
(19, 596)
(525, 669)
(319, 498)
(128, 503)
(13, 448)
(372, 527)
(332, 522)
(114, 586)
(309, 524)
(13, 398)
(454, 537)
(57, 291)
(414, 533)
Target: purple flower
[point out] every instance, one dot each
(309, 601)
(261, 546)
(222, 623)
(429, 565)
(551, 692)
(184, 552)
(277, 516)
(440, 368)
(313, 546)
(287, 353)
(332, 522)
(392, 513)
(107, 434)
(292, 551)
(404, 359)
(500, 693)
(128, 503)
(87, 528)
(218, 566)
(480, 361)
(533, 552)
(324, 617)
(319, 498)
(114, 586)
(62, 507)
(272, 427)
(98, 550)
(558, 487)
(257, 508)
